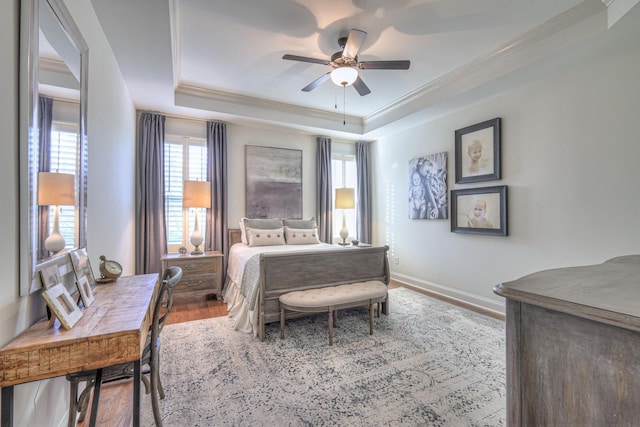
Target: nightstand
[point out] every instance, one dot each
(201, 274)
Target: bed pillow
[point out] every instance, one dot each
(301, 236)
(301, 223)
(259, 223)
(243, 231)
(269, 237)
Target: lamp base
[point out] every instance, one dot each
(344, 243)
(197, 251)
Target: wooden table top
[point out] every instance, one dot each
(111, 331)
(607, 292)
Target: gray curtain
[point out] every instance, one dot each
(216, 238)
(151, 235)
(363, 209)
(324, 198)
(45, 117)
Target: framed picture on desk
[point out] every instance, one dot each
(61, 303)
(82, 266)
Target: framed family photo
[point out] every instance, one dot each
(428, 187)
(480, 210)
(477, 151)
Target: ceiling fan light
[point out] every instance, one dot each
(344, 76)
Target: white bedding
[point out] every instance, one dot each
(239, 296)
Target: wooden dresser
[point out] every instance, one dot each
(573, 340)
(201, 274)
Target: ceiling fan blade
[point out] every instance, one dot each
(361, 87)
(384, 65)
(317, 82)
(306, 59)
(354, 41)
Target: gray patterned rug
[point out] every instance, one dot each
(427, 364)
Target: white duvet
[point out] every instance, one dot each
(242, 266)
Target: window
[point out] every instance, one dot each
(344, 174)
(185, 158)
(64, 158)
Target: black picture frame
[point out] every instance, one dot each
(467, 203)
(486, 137)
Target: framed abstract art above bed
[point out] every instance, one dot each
(274, 182)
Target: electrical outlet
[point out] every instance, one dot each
(396, 260)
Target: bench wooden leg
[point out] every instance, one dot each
(331, 326)
(370, 318)
(281, 322)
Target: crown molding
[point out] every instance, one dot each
(187, 95)
(466, 77)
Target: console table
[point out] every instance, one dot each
(112, 330)
(573, 339)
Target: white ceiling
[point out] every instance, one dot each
(223, 58)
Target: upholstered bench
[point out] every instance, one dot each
(332, 298)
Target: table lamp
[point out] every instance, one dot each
(56, 189)
(196, 194)
(345, 199)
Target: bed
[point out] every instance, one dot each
(257, 276)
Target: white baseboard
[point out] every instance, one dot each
(463, 297)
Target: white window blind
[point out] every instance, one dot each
(64, 159)
(185, 158)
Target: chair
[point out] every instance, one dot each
(149, 362)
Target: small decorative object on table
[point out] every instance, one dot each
(109, 270)
(182, 250)
(355, 242)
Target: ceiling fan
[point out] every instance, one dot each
(345, 64)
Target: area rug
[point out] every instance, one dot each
(428, 363)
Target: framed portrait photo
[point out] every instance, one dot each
(480, 211)
(477, 151)
(60, 302)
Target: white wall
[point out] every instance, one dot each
(239, 136)
(570, 156)
(111, 126)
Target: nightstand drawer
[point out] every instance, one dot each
(200, 273)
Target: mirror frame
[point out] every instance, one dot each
(29, 62)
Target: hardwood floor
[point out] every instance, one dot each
(115, 398)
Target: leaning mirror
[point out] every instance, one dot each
(53, 136)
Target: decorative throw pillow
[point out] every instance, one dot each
(259, 223)
(301, 223)
(269, 237)
(243, 231)
(301, 236)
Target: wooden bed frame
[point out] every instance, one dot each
(293, 271)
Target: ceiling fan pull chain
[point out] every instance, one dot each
(335, 98)
(344, 105)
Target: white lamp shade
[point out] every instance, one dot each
(344, 76)
(56, 189)
(345, 198)
(196, 194)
